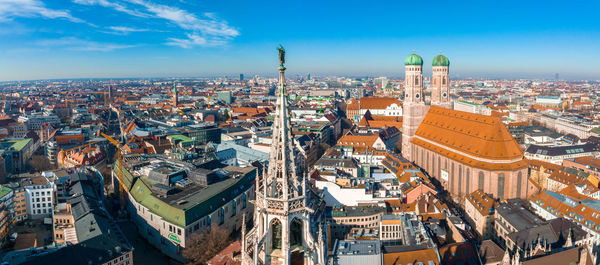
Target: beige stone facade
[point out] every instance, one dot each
(480, 210)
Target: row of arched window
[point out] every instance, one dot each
(430, 166)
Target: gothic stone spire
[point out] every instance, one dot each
(282, 180)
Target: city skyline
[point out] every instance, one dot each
(139, 38)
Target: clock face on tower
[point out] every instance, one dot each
(417, 95)
(444, 95)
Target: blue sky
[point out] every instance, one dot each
(45, 39)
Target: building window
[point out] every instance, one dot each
(452, 175)
(233, 208)
(481, 180)
(501, 186)
(244, 201)
(221, 216)
(468, 181)
(519, 179)
(439, 164)
(427, 162)
(460, 177)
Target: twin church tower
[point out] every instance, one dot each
(414, 109)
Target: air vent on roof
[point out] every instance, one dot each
(181, 202)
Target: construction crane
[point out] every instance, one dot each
(212, 92)
(120, 175)
(103, 93)
(63, 153)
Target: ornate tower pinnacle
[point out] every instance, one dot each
(440, 82)
(282, 180)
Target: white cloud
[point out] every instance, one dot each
(209, 25)
(204, 30)
(76, 44)
(191, 41)
(121, 30)
(113, 5)
(31, 8)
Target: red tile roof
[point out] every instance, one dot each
(378, 102)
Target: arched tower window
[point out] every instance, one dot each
(443, 80)
(481, 180)
(296, 233)
(275, 234)
(416, 80)
(501, 186)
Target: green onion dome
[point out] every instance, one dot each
(413, 59)
(441, 60)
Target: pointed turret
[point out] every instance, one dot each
(517, 258)
(569, 241)
(244, 236)
(506, 258)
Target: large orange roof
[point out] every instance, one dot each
(472, 162)
(477, 135)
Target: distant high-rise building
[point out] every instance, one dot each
(308, 77)
(224, 96)
(556, 76)
(241, 77)
(110, 94)
(175, 96)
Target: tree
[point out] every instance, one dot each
(204, 245)
(226, 114)
(40, 163)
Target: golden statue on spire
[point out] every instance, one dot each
(281, 55)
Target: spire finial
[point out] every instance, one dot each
(414, 51)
